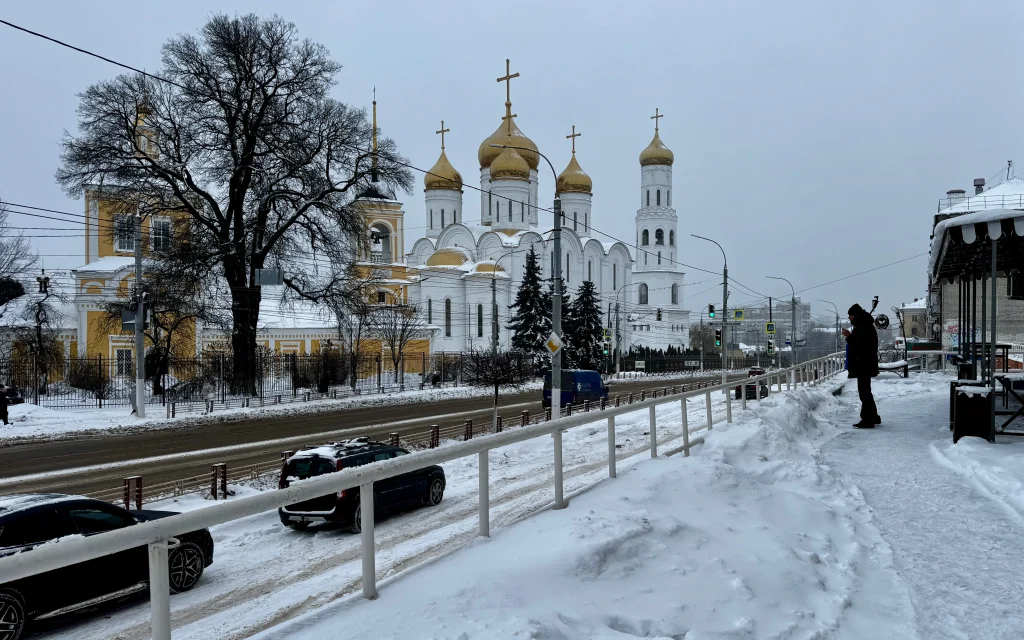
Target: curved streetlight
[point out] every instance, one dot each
(792, 329)
(837, 320)
(556, 319)
(617, 349)
(725, 303)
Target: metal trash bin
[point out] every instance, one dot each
(953, 385)
(973, 410)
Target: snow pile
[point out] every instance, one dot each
(996, 469)
(750, 537)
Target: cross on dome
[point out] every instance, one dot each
(442, 131)
(656, 117)
(573, 137)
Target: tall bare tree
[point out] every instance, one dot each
(397, 325)
(37, 329)
(243, 139)
(16, 261)
(497, 369)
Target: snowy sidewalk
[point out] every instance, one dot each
(955, 550)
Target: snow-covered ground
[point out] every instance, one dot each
(29, 421)
(785, 524)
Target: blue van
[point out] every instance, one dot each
(578, 386)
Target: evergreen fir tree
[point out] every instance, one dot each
(531, 318)
(584, 331)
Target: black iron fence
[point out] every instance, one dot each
(682, 364)
(278, 378)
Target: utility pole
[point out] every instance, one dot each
(556, 311)
(725, 304)
(140, 320)
(494, 314)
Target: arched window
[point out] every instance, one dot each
(659, 236)
(642, 294)
(448, 317)
(648, 197)
(615, 277)
(479, 320)
(675, 293)
(668, 197)
(671, 238)
(430, 311)
(590, 270)
(659, 197)
(645, 238)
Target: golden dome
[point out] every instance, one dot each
(656, 153)
(442, 175)
(449, 257)
(509, 165)
(487, 154)
(574, 179)
(488, 267)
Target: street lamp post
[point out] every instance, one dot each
(725, 302)
(792, 330)
(617, 349)
(702, 312)
(837, 320)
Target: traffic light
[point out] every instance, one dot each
(711, 311)
(718, 337)
(771, 347)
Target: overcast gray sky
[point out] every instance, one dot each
(812, 139)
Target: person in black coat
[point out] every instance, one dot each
(3, 404)
(863, 362)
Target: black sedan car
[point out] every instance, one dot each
(27, 521)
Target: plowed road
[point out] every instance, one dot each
(94, 462)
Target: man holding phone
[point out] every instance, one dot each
(863, 363)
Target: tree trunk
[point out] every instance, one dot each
(245, 306)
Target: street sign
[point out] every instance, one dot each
(607, 334)
(769, 328)
(691, 363)
(554, 343)
(737, 314)
(788, 342)
(640, 365)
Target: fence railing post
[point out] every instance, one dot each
(380, 374)
(757, 389)
(498, 428)
(728, 404)
(366, 527)
(394, 439)
(484, 489)
(524, 419)
(653, 419)
(219, 476)
(611, 446)
(547, 414)
(435, 436)
(159, 591)
(469, 430)
(707, 404)
(686, 428)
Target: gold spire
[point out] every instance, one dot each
(656, 153)
(573, 179)
(442, 175)
(507, 133)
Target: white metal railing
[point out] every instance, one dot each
(159, 535)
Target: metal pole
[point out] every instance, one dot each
(993, 320)
(485, 518)
(611, 446)
(494, 313)
(366, 525)
(984, 309)
(140, 319)
(653, 419)
(618, 357)
(725, 315)
(556, 312)
(159, 591)
(559, 501)
(686, 428)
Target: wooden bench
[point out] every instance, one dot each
(900, 368)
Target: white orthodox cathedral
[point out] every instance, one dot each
(450, 273)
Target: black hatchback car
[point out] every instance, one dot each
(423, 486)
(27, 521)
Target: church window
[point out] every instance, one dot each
(645, 238)
(455, 216)
(586, 221)
(671, 238)
(642, 294)
(675, 293)
(498, 214)
(479, 320)
(382, 297)
(442, 217)
(590, 270)
(615, 277)
(430, 311)
(522, 212)
(648, 197)
(431, 218)
(645, 257)
(161, 232)
(567, 267)
(668, 197)
(658, 201)
(659, 257)
(124, 233)
(659, 236)
(448, 317)
(574, 221)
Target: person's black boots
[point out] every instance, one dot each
(878, 419)
(864, 425)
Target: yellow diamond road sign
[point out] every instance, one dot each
(554, 343)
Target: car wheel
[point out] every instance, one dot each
(298, 526)
(12, 616)
(357, 520)
(435, 493)
(186, 563)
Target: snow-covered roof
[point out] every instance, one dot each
(109, 264)
(920, 303)
(17, 312)
(967, 221)
(1005, 195)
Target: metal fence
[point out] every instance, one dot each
(205, 383)
(678, 364)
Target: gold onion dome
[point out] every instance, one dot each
(511, 136)
(509, 165)
(574, 179)
(656, 153)
(448, 257)
(442, 175)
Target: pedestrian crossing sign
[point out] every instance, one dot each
(737, 314)
(769, 328)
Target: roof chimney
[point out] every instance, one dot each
(979, 185)
(955, 196)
